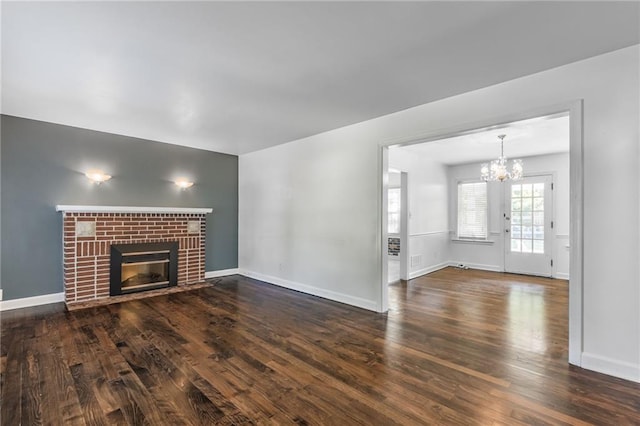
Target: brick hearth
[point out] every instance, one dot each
(86, 258)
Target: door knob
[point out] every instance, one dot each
(506, 230)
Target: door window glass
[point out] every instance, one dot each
(527, 218)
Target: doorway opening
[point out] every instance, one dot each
(531, 226)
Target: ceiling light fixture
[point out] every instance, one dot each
(183, 183)
(497, 170)
(97, 176)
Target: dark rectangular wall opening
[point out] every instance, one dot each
(141, 267)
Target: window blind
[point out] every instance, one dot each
(472, 210)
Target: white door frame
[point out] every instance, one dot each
(576, 195)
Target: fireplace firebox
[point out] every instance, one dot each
(144, 266)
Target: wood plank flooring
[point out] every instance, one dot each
(457, 347)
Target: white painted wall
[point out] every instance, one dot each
(491, 256)
(308, 217)
(310, 210)
(428, 216)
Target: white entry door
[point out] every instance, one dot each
(529, 226)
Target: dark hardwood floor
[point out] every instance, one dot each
(457, 347)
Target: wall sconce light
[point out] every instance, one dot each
(183, 183)
(97, 176)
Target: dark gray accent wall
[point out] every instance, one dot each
(43, 164)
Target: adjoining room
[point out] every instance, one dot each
(459, 218)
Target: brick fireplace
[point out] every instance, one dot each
(90, 231)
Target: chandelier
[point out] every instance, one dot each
(498, 170)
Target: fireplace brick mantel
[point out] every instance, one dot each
(89, 232)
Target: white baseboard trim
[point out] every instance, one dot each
(221, 273)
(498, 268)
(494, 268)
(427, 270)
(25, 302)
(370, 305)
(612, 367)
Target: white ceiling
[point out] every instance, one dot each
(236, 77)
(526, 138)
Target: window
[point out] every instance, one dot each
(472, 210)
(393, 226)
(527, 218)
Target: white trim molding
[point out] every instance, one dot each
(370, 305)
(470, 241)
(576, 232)
(427, 270)
(221, 273)
(131, 209)
(26, 302)
(612, 367)
(493, 268)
